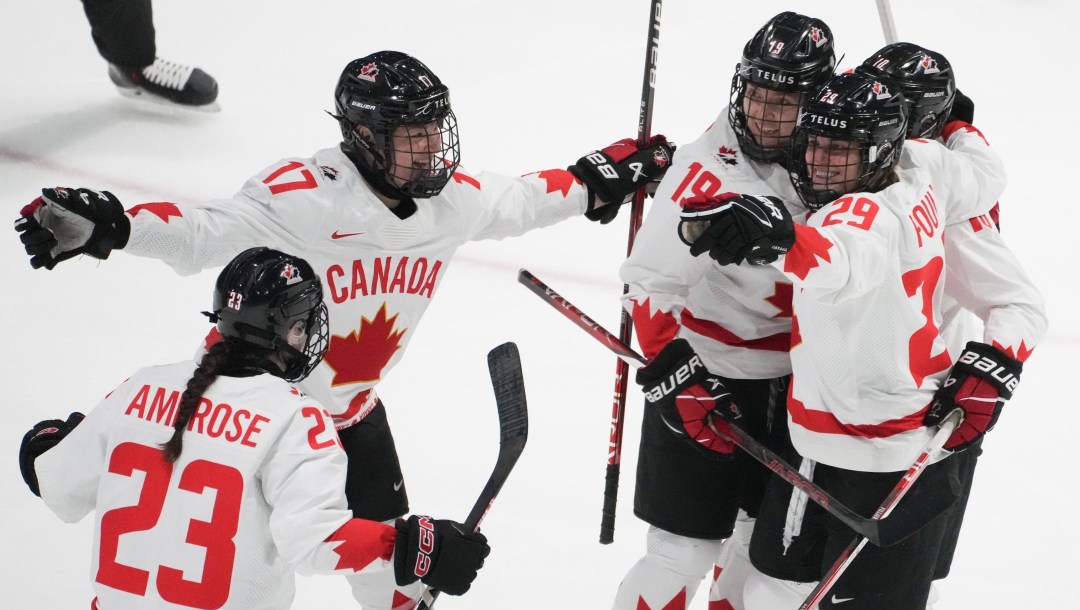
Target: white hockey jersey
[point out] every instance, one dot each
(258, 492)
(379, 271)
(869, 273)
(737, 318)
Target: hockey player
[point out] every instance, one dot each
(225, 470)
(737, 319)
(379, 218)
(982, 270)
(866, 354)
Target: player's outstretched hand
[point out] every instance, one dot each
(39, 439)
(980, 382)
(734, 228)
(612, 174)
(439, 552)
(690, 398)
(64, 223)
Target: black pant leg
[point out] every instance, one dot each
(123, 31)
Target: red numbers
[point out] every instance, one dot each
(706, 185)
(307, 180)
(216, 535)
(921, 344)
(125, 460)
(860, 216)
(319, 428)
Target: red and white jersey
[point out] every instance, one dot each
(258, 492)
(737, 318)
(869, 274)
(984, 277)
(379, 271)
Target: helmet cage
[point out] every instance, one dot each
(850, 108)
(371, 112)
(790, 53)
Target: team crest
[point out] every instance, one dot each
(818, 37)
(329, 172)
(291, 275)
(726, 156)
(880, 91)
(369, 72)
(928, 65)
(661, 158)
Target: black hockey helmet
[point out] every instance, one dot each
(791, 53)
(263, 298)
(925, 78)
(851, 110)
(387, 90)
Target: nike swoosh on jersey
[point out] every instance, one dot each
(840, 600)
(397, 486)
(340, 235)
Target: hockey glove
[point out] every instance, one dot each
(438, 552)
(42, 437)
(980, 382)
(963, 109)
(614, 173)
(690, 398)
(64, 223)
(733, 228)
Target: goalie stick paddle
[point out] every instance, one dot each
(880, 531)
(626, 328)
(504, 365)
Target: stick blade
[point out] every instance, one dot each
(504, 364)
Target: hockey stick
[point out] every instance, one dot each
(848, 555)
(880, 531)
(505, 367)
(888, 25)
(626, 329)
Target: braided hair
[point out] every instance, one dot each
(208, 370)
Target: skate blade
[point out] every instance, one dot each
(143, 96)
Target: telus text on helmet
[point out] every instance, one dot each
(817, 119)
(776, 77)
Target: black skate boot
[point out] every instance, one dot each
(167, 82)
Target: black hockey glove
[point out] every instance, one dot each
(733, 228)
(42, 437)
(963, 109)
(614, 173)
(439, 552)
(980, 382)
(64, 223)
(690, 398)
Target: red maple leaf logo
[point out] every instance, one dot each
(161, 209)
(677, 603)
(557, 180)
(781, 299)
(360, 356)
(361, 542)
(809, 247)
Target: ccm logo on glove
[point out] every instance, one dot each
(425, 546)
